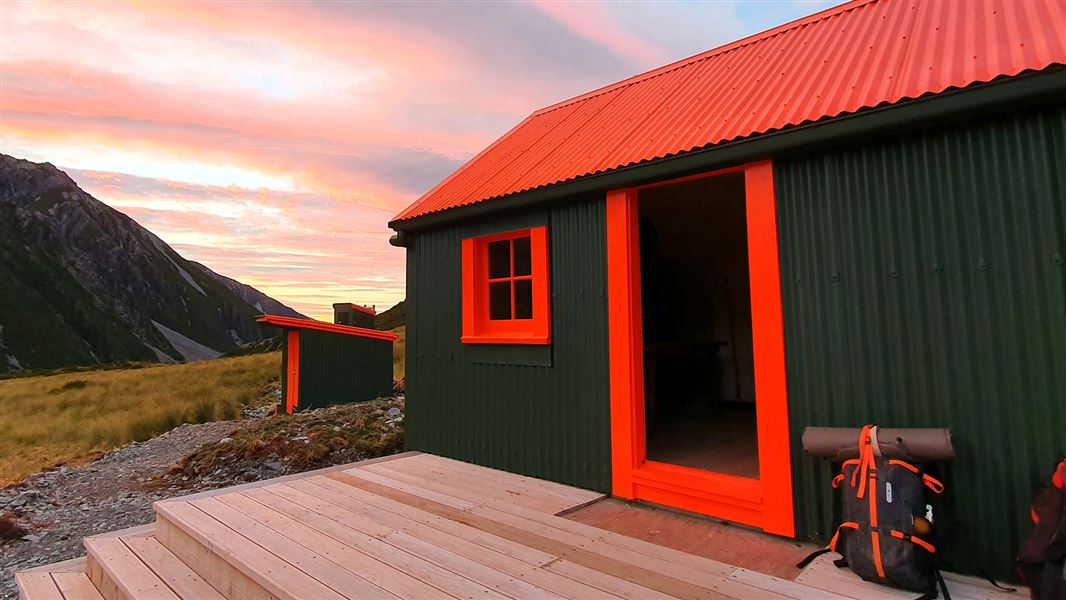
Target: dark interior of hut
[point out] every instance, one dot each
(698, 361)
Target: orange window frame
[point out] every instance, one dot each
(478, 328)
(766, 502)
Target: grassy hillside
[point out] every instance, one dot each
(55, 419)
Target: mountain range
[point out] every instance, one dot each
(81, 283)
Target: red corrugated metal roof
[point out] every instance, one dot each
(858, 55)
(294, 323)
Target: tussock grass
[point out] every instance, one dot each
(399, 350)
(55, 419)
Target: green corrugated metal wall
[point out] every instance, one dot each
(337, 369)
(923, 286)
(541, 411)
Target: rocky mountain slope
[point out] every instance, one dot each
(84, 284)
(261, 302)
(392, 318)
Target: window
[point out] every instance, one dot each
(505, 288)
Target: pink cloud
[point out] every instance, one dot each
(294, 246)
(595, 22)
(273, 141)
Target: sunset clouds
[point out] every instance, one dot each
(273, 141)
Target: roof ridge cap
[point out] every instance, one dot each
(728, 47)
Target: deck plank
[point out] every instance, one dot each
(368, 547)
(458, 486)
(638, 573)
(622, 541)
(475, 488)
(37, 585)
(573, 494)
(413, 489)
(823, 574)
(76, 586)
(979, 589)
(781, 586)
(565, 586)
(710, 575)
(401, 515)
(637, 545)
(706, 573)
(631, 550)
(276, 576)
(73, 565)
(604, 582)
(394, 543)
(169, 568)
(575, 533)
(131, 577)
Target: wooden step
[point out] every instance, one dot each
(120, 575)
(118, 568)
(178, 576)
(229, 562)
(44, 585)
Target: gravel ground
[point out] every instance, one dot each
(60, 507)
(57, 508)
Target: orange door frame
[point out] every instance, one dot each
(765, 502)
(292, 375)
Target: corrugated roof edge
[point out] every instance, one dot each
(684, 62)
(402, 216)
(409, 212)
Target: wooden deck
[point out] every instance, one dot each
(416, 526)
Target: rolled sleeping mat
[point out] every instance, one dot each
(842, 443)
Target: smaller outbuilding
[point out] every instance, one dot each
(346, 313)
(326, 363)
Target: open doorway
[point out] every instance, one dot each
(699, 375)
(762, 495)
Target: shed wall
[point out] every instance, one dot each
(284, 401)
(540, 411)
(337, 369)
(923, 286)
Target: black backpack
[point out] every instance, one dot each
(886, 535)
(1042, 560)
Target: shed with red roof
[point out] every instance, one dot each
(328, 363)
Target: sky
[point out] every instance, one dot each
(273, 141)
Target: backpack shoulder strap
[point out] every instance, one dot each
(810, 557)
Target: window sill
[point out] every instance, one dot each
(531, 340)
